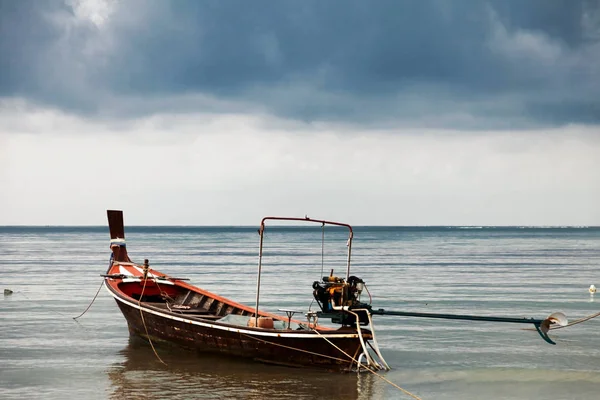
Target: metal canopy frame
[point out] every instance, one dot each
(323, 222)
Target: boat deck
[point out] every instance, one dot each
(230, 319)
(189, 312)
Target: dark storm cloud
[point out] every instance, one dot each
(465, 64)
(23, 35)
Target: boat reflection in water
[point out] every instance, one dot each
(140, 375)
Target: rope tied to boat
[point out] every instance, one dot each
(146, 267)
(351, 360)
(110, 264)
(354, 360)
(295, 348)
(92, 302)
(119, 242)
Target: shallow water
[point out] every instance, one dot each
(519, 272)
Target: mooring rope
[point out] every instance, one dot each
(94, 299)
(142, 313)
(295, 348)
(575, 322)
(37, 303)
(353, 360)
(414, 396)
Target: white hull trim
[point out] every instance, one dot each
(278, 334)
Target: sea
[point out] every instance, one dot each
(54, 274)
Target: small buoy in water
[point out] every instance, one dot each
(7, 292)
(592, 289)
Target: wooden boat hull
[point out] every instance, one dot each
(294, 348)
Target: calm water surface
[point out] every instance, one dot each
(54, 272)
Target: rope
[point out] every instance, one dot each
(142, 314)
(322, 261)
(37, 303)
(57, 312)
(322, 247)
(337, 359)
(295, 348)
(577, 321)
(414, 396)
(370, 297)
(94, 299)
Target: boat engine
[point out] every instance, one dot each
(335, 296)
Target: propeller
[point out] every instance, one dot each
(553, 319)
(557, 318)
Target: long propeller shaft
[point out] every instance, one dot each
(381, 311)
(541, 325)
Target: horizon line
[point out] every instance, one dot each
(579, 226)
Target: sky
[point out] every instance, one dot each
(180, 112)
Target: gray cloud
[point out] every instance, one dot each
(460, 64)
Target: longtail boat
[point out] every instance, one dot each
(163, 308)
